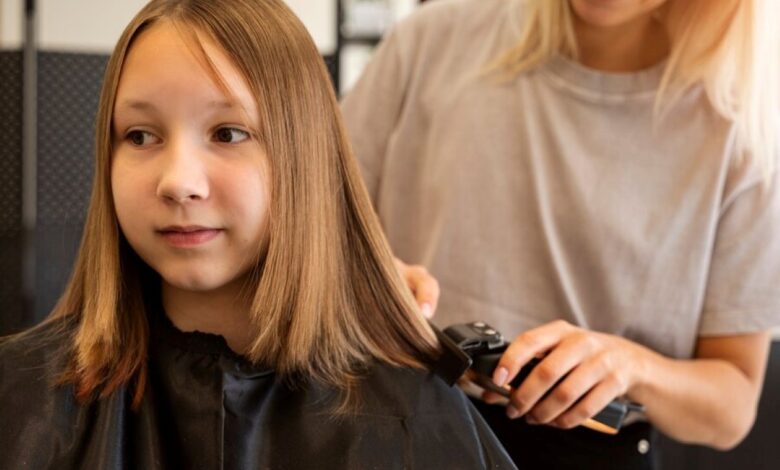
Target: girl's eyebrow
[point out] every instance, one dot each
(136, 104)
(149, 106)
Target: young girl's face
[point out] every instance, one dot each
(188, 176)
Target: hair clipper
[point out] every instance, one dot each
(478, 347)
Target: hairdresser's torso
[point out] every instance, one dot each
(551, 195)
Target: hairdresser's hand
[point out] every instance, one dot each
(424, 287)
(600, 367)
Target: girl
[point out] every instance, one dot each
(598, 179)
(233, 304)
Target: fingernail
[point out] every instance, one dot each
(427, 310)
(499, 376)
(530, 420)
(512, 412)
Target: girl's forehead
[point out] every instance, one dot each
(165, 60)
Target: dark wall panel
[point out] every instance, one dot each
(68, 92)
(759, 451)
(332, 63)
(11, 311)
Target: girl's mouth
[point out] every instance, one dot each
(188, 236)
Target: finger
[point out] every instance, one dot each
(546, 391)
(590, 405)
(528, 345)
(568, 392)
(425, 289)
(493, 398)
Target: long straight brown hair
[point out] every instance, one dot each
(327, 299)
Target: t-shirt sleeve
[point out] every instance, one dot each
(743, 289)
(372, 108)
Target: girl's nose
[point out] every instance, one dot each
(183, 175)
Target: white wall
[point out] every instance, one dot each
(95, 25)
(11, 24)
(83, 25)
(319, 16)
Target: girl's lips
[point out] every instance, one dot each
(188, 238)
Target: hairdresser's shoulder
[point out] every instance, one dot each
(33, 350)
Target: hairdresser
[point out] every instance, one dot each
(597, 181)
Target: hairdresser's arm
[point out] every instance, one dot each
(424, 287)
(709, 400)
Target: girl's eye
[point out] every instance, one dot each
(230, 135)
(141, 138)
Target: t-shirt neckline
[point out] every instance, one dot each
(579, 77)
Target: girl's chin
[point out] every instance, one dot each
(193, 283)
(198, 280)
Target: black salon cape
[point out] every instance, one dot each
(207, 408)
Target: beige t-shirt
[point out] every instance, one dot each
(556, 195)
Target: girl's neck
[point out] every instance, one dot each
(223, 311)
(629, 47)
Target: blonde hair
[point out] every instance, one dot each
(731, 47)
(328, 298)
